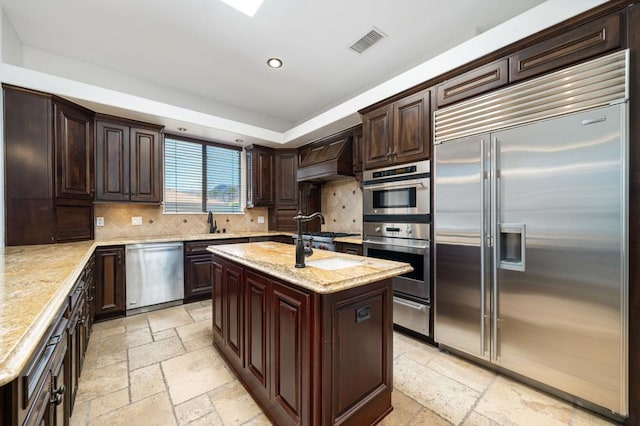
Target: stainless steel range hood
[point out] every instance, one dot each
(327, 161)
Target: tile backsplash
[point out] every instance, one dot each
(342, 206)
(117, 221)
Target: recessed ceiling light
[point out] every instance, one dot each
(274, 62)
(182, 129)
(248, 7)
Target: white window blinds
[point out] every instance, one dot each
(199, 177)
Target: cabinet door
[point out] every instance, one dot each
(74, 356)
(146, 165)
(376, 127)
(28, 178)
(198, 279)
(480, 80)
(357, 149)
(110, 281)
(286, 167)
(233, 313)
(217, 296)
(74, 153)
(60, 401)
(258, 360)
(588, 40)
(411, 128)
(290, 354)
(260, 187)
(112, 162)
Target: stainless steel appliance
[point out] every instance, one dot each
(397, 190)
(155, 275)
(404, 242)
(396, 207)
(530, 212)
(321, 240)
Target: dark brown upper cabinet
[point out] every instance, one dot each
(260, 173)
(286, 168)
(583, 42)
(480, 80)
(48, 168)
(74, 152)
(128, 162)
(399, 132)
(358, 147)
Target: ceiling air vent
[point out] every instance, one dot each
(368, 40)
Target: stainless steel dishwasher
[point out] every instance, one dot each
(155, 275)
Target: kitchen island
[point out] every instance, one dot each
(312, 345)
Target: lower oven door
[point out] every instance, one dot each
(414, 252)
(411, 315)
(411, 294)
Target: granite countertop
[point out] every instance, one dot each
(35, 282)
(278, 260)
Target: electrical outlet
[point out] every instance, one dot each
(99, 221)
(136, 220)
(260, 219)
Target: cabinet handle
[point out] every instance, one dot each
(90, 299)
(82, 320)
(57, 395)
(389, 153)
(119, 258)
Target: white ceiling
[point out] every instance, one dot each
(206, 49)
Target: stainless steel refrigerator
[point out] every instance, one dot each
(530, 221)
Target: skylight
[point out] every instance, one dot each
(248, 7)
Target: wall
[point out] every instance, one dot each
(117, 220)
(12, 48)
(342, 206)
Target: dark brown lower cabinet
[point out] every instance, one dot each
(306, 358)
(197, 267)
(39, 396)
(349, 248)
(110, 296)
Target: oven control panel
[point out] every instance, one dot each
(417, 231)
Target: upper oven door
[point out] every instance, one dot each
(404, 197)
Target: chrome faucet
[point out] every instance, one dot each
(301, 250)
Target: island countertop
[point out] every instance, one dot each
(278, 260)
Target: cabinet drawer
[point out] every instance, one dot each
(480, 80)
(37, 369)
(583, 42)
(76, 293)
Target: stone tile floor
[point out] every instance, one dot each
(159, 368)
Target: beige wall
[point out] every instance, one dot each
(342, 206)
(117, 221)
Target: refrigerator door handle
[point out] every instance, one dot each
(494, 188)
(483, 247)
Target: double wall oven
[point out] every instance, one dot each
(396, 227)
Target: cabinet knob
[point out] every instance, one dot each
(57, 395)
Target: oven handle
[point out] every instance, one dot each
(421, 247)
(410, 304)
(404, 184)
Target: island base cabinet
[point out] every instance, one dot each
(306, 358)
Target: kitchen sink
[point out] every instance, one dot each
(333, 263)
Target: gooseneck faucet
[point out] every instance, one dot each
(301, 250)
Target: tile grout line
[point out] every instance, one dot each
(473, 407)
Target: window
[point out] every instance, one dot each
(201, 177)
